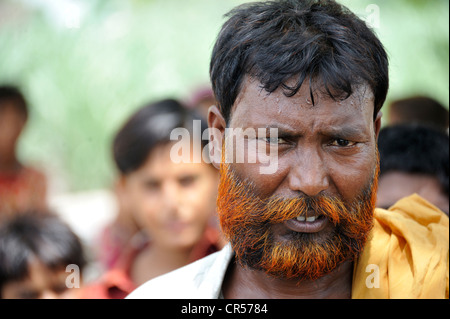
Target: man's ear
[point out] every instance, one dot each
(377, 125)
(217, 125)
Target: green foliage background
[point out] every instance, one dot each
(83, 82)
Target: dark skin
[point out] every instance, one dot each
(243, 283)
(328, 149)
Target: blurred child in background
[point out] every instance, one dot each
(172, 203)
(118, 234)
(40, 258)
(421, 110)
(22, 188)
(201, 99)
(413, 159)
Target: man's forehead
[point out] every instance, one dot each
(256, 99)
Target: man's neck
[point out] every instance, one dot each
(246, 283)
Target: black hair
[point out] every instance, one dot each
(13, 94)
(43, 236)
(314, 40)
(421, 110)
(415, 149)
(149, 127)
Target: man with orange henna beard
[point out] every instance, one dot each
(338, 234)
(299, 86)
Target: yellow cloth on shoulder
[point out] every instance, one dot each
(407, 255)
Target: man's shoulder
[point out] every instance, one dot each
(200, 279)
(407, 252)
(414, 224)
(414, 212)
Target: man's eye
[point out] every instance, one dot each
(275, 140)
(342, 142)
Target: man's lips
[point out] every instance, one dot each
(311, 224)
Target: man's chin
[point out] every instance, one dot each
(297, 256)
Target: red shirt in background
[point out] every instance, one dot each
(117, 283)
(22, 191)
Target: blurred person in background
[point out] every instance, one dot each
(115, 237)
(22, 187)
(418, 110)
(40, 258)
(202, 98)
(172, 203)
(413, 159)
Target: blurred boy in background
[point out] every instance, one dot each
(201, 99)
(421, 110)
(40, 258)
(22, 188)
(413, 159)
(172, 203)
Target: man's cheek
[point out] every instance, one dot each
(264, 185)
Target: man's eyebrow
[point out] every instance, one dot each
(287, 130)
(283, 129)
(345, 131)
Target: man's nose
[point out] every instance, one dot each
(308, 173)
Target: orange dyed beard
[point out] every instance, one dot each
(247, 221)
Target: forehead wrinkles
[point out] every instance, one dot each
(362, 97)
